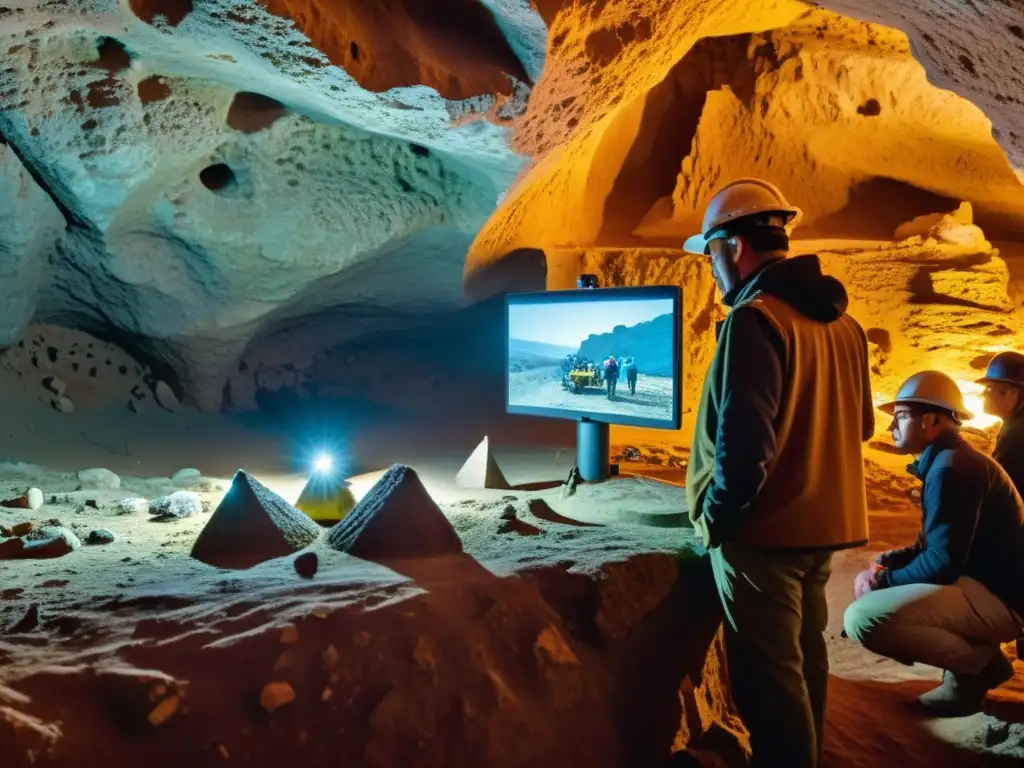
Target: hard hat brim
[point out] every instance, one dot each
(890, 408)
(998, 380)
(695, 244)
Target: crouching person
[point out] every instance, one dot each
(952, 598)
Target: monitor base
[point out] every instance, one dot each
(592, 451)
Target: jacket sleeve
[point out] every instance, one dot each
(952, 504)
(751, 366)
(1010, 455)
(867, 403)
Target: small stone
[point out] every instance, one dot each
(99, 479)
(100, 536)
(329, 658)
(187, 477)
(361, 639)
(276, 695)
(55, 386)
(290, 634)
(327, 694)
(21, 529)
(178, 505)
(165, 397)
(62, 405)
(131, 507)
(164, 711)
(307, 564)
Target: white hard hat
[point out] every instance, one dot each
(740, 198)
(930, 388)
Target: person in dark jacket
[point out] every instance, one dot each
(952, 597)
(775, 482)
(611, 375)
(1004, 397)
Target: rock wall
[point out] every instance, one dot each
(221, 180)
(643, 111)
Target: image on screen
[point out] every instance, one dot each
(609, 357)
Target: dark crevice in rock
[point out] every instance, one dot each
(70, 217)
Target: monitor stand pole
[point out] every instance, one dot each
(592, 450)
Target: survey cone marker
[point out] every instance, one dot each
(326, 498)
(481, 470)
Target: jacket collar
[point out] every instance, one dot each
(748, 287)
(948, 440)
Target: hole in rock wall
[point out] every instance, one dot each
(173, 11)
(881, 337)
(113, 56)
(353, 49)
(876, 207)
(870, 108)
(252, 112)
(218, 177)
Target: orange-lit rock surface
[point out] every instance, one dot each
(644, 110)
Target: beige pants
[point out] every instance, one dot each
(957, 627)
(775, 617)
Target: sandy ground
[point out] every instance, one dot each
(111, 602)
(542, 388)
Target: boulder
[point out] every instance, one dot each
(100, 536)
(31, 499)
(165, 397)
(62, 405)
(178, 505)
(396, 519)
(187, 477)
(46, 543)
(307, 564)
(99, 479)
(251, 525)
(55, 386)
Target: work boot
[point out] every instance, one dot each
(963, 695)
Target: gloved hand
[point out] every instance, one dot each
(866, 581)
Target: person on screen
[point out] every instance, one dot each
(953, 596)
(630, 368)
(775, 482)
(611, 375)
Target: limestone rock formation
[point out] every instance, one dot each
(396, 520)
(220, 180)
(251, 525)
(648, 111)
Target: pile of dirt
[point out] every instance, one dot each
(251, 525)
(396, 519)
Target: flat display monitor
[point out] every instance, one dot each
(608, 355)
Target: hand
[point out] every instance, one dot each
(864, 582)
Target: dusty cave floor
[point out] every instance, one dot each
(104, 604)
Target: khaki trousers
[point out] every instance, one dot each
(775, 618)
(957, 627)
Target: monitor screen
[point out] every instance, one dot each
(609, 355)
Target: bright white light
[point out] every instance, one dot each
(976, 405)
(323, 463)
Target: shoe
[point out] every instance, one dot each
(963, 695)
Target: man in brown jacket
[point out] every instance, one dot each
(775, 482)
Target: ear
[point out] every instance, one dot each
(737, 248)
(930, 420)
